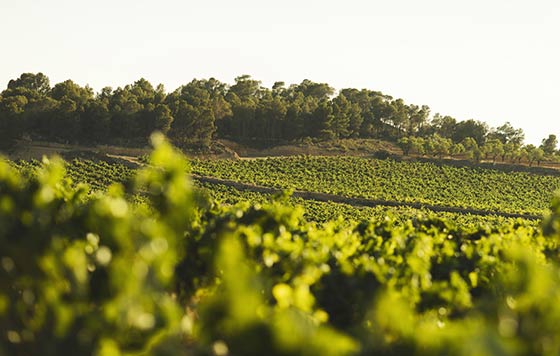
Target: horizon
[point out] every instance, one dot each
(493, 63)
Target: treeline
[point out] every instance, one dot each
(245, 111)
(492, 149)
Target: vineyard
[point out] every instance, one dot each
(100, 174)
(476, 188)
(97, 174)
(320, 211)
(210, 270)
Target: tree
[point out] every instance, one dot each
(436, 145)
(72, 100)
(417, 145)
(417, 118)
(342, 111)
(152, 113)
(221, 108)
(297, 109)
(405, 145)
(321, 123)
(457, 149)
(443, 125)
(507, 133)
(242, 121)
(399, 118)
(510, 150)
(549, 145)
(470, 128)
(472, 149)
(246, 88)
(96, 121)
(493, 148)
(271, 115)
(534, 154)
(11, 119)
(319, 91)
(194, 120)
(243, 98)
(34, 82)
(519, 154)
(24, 103)
(192, 126)
(278, 89)
(162, 118)
(125, 114)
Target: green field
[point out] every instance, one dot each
(100, 174)
(476, 188)
(146, 262)
(319, 211)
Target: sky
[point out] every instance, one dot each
(489, 60)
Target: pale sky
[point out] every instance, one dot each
(491, 60)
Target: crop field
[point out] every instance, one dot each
(475, 188)
(100, 174)
(320, 211)
(207, 269)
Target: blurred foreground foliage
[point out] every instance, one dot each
(93, 273)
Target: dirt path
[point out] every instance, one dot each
(324, 197)
(130, 159)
